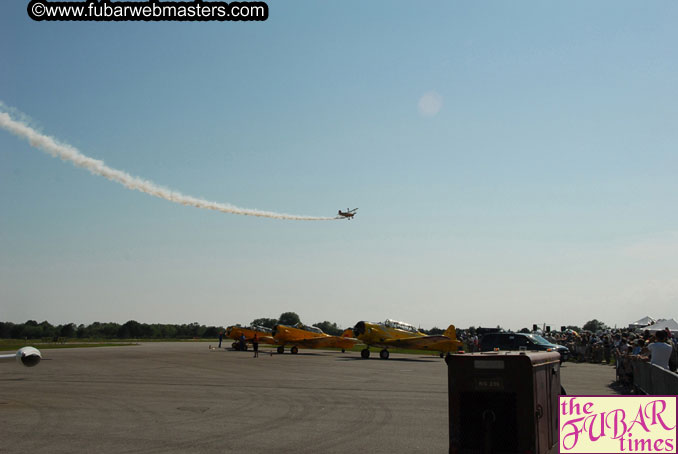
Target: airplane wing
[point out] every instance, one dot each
(326, 342)
(436, 343)
(265, 340)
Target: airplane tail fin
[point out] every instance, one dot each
(347, 333)
(450, 332)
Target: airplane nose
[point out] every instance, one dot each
(29, 356)
(359, 329)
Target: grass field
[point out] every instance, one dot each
(15, 344)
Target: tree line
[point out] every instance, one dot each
(135, 330)
(97, 330)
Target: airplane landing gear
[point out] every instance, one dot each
(365, 353)
(343, 350)
(383, 354)
(281, 349)
(442, 355)
(294, 350)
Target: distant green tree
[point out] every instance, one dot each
(6, 330)
(168, 331)
(130, 330)
(67, 330)
(329, 328)
(594, 325)
(146, 331)
(156, 330)
(289, 318)
(98, 330)
(47, 329)
(124, 332)
(189, 331)
(266, 322)
(212, 331)
(16, 331)
(34, 330)
(196, 329)
(435, 331)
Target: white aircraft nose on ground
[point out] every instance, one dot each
(28, 356)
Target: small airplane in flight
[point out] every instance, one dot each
(305, 336)
(392, 334)
(264, 335)
(348, 214)
(28, 356)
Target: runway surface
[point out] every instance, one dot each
(182, 397)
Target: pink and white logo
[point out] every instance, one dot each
(617, 424)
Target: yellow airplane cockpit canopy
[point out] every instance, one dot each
(312, 329)
(261, 329)
(400, 325)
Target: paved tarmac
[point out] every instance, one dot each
(182, 397)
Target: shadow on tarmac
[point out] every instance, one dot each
(406, 360)
(357, 357)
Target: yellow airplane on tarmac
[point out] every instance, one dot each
(305, 336)
(392, 334)
(264, 335)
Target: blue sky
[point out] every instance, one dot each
(543, 190)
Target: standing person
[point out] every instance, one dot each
(607, 348)
(255, 346)
(221, 337)
(660, 351)
(673, 360)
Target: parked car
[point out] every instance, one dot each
(520, 341)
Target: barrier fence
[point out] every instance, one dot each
(654, 380)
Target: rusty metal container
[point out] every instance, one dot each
(503, 402)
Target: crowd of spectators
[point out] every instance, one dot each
(620, 347)
(617, 347)
(470, 339)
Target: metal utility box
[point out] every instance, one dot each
(503, 402)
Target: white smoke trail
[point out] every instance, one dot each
(69, 153)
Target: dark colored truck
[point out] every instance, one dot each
(520, 341)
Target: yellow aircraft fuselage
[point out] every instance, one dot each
(235, 332)
(290, 335)
(378, 335)
(391, 336)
